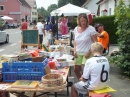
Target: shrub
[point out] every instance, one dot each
(122, 13)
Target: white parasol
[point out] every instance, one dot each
(7, 18)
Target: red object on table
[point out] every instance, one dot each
(51, 64)
(35, 53)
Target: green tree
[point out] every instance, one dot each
(51, 8)
(75, 2)
(43, 12)
(122, 13)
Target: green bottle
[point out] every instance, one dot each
(45, 48)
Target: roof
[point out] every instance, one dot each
(31, 2)
(86, 3)
(24, 3)
(100, 1)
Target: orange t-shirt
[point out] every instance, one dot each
(104, 40)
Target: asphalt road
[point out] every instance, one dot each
(14, 45)
(14, 42)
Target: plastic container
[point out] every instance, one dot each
(23, 71)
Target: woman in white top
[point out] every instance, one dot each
(85, 35)
(59, 26)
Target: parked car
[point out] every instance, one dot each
(4, 37)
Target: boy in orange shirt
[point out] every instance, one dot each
(103, 36)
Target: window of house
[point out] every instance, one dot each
(3, 0)
(109, 11)
(1, 7)
(33, 13)
(102, 13)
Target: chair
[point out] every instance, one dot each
(107, 51)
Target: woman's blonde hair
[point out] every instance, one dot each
(84, 16)
(96, 47)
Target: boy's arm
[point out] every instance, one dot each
(86, 71)
(83, 79)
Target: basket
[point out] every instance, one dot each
(52, 80)
(52, 88)
(23, 71)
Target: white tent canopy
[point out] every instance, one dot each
(69, 10)
(7, 18)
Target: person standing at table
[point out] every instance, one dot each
(59, 27)
(34, 24)
(40, 27)
(24, 26)
(84, 36)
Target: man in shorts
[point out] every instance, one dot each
(95, 73)
(40, 27)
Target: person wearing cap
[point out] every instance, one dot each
(103, 36)
(40, 27)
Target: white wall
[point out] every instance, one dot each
(109, 5)
(92, 6)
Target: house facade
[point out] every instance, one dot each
(91, 5)
(106, 7)
(16, 9)
(34, 13)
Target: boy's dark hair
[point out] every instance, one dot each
(22, 19)
(43, 21)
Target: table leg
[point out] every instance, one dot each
(55, 94)
(7, 94)
(70, 71)
(67, 87)
(34, 94)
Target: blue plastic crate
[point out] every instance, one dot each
(23, 71)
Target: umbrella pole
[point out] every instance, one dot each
(57, 25)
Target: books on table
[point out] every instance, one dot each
(24, 84)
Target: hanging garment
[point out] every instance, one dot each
(64, 26)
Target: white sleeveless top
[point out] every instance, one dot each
(83, 40)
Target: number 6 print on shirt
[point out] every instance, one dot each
(101, 76)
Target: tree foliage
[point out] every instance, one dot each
(51, 8)
(75, 2)
(122, 13)
(61, 3)
(45, 13)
